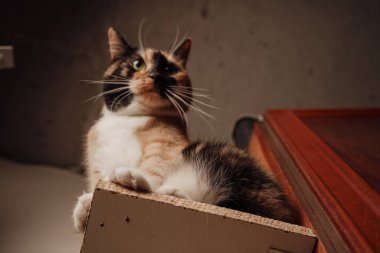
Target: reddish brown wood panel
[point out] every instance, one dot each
(337, 112)
(355, 138)
(349, 201)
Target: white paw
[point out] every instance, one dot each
(131, 178)
(81, 211)
(173, 191)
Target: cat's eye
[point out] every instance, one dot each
(138, 65)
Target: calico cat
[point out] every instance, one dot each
(141, 141)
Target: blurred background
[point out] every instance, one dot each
(250, 55)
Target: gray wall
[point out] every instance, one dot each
(251, 55)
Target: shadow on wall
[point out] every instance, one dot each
(250, 55)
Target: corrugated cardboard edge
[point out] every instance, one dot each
(207, 208)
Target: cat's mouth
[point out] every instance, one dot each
(162, 83)
(151, 85)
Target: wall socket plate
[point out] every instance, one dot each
(6, 57)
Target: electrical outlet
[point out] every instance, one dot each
(6, 57)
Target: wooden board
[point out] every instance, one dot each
(121, 220)
(342, 204)
(355, 138)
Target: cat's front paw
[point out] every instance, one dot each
(81, 210)
(173, 191)
(130, 178)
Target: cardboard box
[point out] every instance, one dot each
(122, 220)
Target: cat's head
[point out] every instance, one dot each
(146, 81)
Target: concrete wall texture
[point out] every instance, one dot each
(250, 55)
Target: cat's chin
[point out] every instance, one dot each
(137, 109)
(133, 109)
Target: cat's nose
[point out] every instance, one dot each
(153, 74)
(160, 83)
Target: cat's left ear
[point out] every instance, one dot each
(183, 50)
(118, 46)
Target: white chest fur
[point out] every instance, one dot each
(117, 142)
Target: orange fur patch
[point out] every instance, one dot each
(162, 140)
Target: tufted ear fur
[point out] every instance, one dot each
(118, 46)
(183, 50)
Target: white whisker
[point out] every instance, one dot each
(124, 95)
(191, 88)
(106, 92)
(120, 95)
(179, 43)
(147, 30)
(196, 108)
(181, 112)
(175, 41)
(198, 101)
(141, 45)
(119, 77)
(193, 93)
(106, 82)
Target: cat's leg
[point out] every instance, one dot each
(81, 211)
(156, 163)
(173, 191)
(131, 178)
(182, 182)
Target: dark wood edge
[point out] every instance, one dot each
(298, 141)
(271, 163)
(327, 234)
(333, 112)
(260, 148)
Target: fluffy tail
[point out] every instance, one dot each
(223, 175)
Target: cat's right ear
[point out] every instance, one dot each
(118, 46)
(183, 50)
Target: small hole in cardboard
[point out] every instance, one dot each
(127, 219)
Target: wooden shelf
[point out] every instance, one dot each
(327, 162)
(122, 220)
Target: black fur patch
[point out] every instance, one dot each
(161, 74)
(118, 99)
(244, 180)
